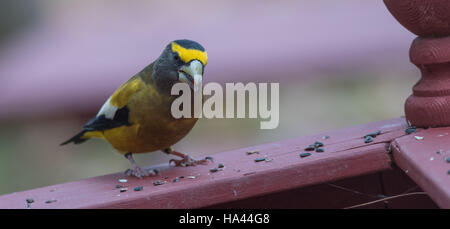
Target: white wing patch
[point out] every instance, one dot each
(108, 110)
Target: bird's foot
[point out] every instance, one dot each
(189, 161)
(138, 172)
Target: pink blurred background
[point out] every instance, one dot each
(339, 63)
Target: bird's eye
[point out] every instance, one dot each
(176, 57)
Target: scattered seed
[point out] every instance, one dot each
(411, 129)
(373, 135)
(269, 160)
(325, 137)
(181, 177)
(213, 170)
(448, 172)
(123, 180)
(123, 189)
(318, 144)
(209, 158)
(30, 200)
(259, 159)
(320, 150)
(158, 182)
(175, 180)
(252, 152)
(448, 159)
(118, 186)
(138, 188)
(418, 137)
(50, 201)
(305, 155)
(431, 158)
(156, 171)
(166, 178)
(220, 165)
(368, 139)
(191, 177)
(310, 148)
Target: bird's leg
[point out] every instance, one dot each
(187, 160)
(136, 171)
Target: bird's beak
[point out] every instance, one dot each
(192, 74)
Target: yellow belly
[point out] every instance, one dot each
(152, 125)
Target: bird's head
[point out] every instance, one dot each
(181, 61)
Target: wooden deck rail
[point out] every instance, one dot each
(352, 171)
(346, 155)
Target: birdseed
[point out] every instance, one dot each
(318, 144)
(305, 155)
(191, 177)
(30, 200)
(373, 135)
(158, 182)
(418, 137)
(320, 150)
(175, 180)
(50, 201)
(213, 170)
(325, 137)
(259, 159)
(220, 165)
(269, 160)
(118, 186)
(209, 158)
(252, 152)
(123, 180)
(310, 148)
(368, 139)
(448, 159)
(138, 188)
(123, 189)
(181, 177)
(411, 129)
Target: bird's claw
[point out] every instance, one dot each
(189, 161)
(137, 172)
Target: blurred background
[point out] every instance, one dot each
(339, 64)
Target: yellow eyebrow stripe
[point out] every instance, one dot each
(187, 55)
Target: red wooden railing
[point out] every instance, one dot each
(399, 167)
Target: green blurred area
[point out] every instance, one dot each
(31, 156)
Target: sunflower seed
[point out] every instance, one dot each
(213, 170)
(368, 139)
(418, 137)
(305, 155)
(411, 129)
(123, 189)
(373, 135)
(30, 200)
(118, 186)
(123, 180)
(220, 165)
(138, 188)
(158, 182)
(175, 180)
(191, 177)
(252, 152)
(448, 159)
(50, 201)
(320, 150)
(318, 144)
(310, 148)
(259, 159)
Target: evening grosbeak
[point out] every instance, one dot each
(137, 117)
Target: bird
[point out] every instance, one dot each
(137, 118)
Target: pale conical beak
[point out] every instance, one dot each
(192, 75)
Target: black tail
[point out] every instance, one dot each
(76, 139)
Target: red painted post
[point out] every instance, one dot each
(429, 105)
